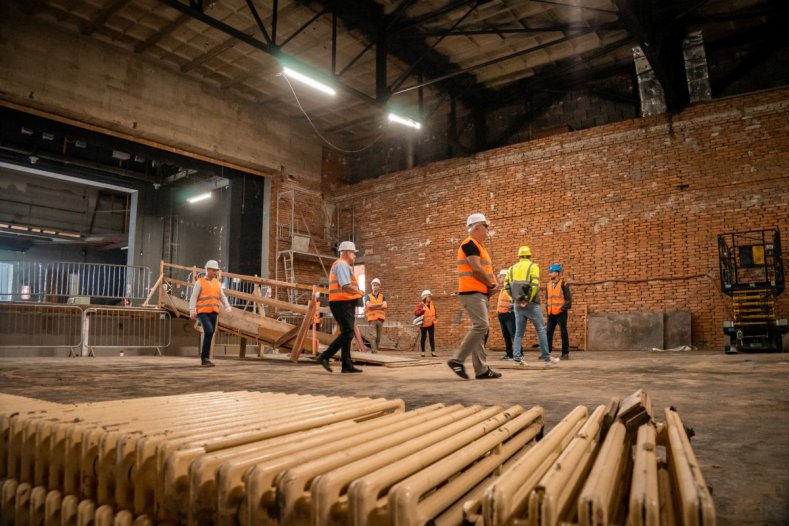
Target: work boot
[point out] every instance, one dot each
(565, 357)
(490, 374)
(458, 368)
(206, 363)
(352, 370)
(324, 362)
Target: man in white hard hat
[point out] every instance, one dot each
(344, 296)
(476, 282)
(207, 296)
(375, 309)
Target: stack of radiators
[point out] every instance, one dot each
(246, 458)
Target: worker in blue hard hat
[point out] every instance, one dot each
(559, 300)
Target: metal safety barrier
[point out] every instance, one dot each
(26, 326)
(290, 459)
(49, 281)
(125, 328)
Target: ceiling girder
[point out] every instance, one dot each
(269, 49)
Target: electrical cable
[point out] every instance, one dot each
(315, 129)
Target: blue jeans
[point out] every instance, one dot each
(533, 312)
(208, 321)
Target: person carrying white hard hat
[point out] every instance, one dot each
(207, 296)
(426, 309)
(344, 296)
(476, 282)
(375, 308)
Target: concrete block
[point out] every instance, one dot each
(676, 329)
(625, 331)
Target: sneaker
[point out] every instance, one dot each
(433, 354)
(458, 368)
(551, 361)
(518, 362)
(422, 355)
(505, 357)
(488, 375)
(565, 357)
(324, 363)
(352, 370)
(207, 363)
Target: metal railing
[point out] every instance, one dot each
(126, 328)
(48, 281)
(24, 325)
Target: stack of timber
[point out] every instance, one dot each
(269, 458)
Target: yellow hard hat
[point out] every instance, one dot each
(524, 251)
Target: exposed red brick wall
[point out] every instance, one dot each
(632, 210)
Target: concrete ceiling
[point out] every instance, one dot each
(415, 56)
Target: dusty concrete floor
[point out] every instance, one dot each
(738, 405)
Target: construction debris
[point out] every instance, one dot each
(314, 460)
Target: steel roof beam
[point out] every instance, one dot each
(269, 49)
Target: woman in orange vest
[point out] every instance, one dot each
(427, 309)
(207, 297)
(559, 302)
(375, 308)
(344, 297)
(506, 317)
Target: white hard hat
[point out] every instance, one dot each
(503, 272)
(347, 245)
(375, 280)
(426, 293)
(476, 218)
(212, 263)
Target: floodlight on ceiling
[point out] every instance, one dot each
(198, 198)
(393, 117)
(304, 79)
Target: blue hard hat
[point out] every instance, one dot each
(555, 268)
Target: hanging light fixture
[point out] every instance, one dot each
(198, 198)
(304, 79)
(393, 117)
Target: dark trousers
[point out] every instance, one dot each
(208, 322)
(344, 313)
(431, 332)
(561, 319)
(507, 323)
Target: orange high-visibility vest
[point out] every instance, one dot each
(377, 314)
(209, 299)
(466, 280)
(505, 302)
(335, 290)
(555, 297)
(429, 315)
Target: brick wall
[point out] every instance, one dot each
(631, 210)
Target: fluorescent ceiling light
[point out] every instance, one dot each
(403, 120)
(201, 197)
(308, 81)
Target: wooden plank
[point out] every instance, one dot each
(279, 342)
(635, 410)
(303, 329)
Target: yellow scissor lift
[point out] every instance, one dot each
(752, 274)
